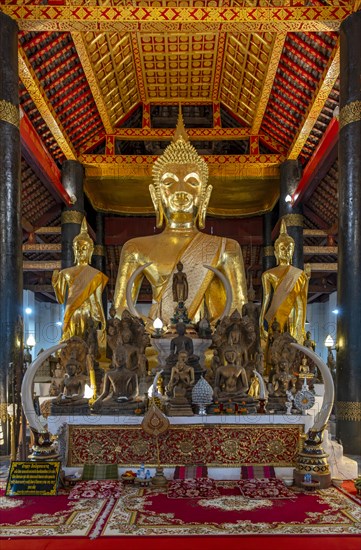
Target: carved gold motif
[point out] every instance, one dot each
(3, 412)
(41, 266)
(82, 51)
(349, 410)
(9, 113)
(274, 59)
(168, 69)
(330, 267)
(130, 18)
(350, 113)
(268, 251)
(42, 247)
(44, 107)
(323, 91)
(99, 250)
(72, 216)
(293, 220)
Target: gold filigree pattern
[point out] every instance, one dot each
(99, 250)
(322, 92)
(33, 86)
(349, 410)
(41, 266)
(9, 113)
(293, 220)
(273, 62)
(350, 113)
(214, 445)
(268, 251)
(81, 48)
(72, 216)
(167, 19)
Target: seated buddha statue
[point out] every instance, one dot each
(72, 391)
(284, 291)
(180, 195)
(80, 287)
(120, 387)
(231, 383)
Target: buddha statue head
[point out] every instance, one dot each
(180, 192)
(284, 246)
(83, 246)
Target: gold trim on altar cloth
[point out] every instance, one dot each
(216, 445)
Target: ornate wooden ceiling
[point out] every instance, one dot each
(101, 80)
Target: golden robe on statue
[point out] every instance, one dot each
(81, 296)
(80, 287)
(285, 290)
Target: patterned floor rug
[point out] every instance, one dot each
(149, 512)
(152, 513)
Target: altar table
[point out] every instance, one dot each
(216, 441)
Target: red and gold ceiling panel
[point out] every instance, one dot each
(52, 73)
(302, 65)
(178, 66)
(244, 68)
(111, 57)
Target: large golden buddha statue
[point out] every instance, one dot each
(80, 287)
(285, 290)
(180, 195)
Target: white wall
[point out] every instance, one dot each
(42, 322)
(322, 322)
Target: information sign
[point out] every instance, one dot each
(33, 478)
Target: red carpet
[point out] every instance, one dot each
(45, 521)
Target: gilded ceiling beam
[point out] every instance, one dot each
(268, 80)
(219, 165)
(322, 92)
(129, 18)
(218, 67)
(83, 54)
(37, 94)
(166, 134)
(138, 69)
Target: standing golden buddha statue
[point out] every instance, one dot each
(80, 287)
(289, 285)
(180, 196)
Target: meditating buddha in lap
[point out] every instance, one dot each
(180, 195)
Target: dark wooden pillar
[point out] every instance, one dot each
(72, 175)
(348, 398)
(290, 177)
(11, 284)
(99, 254)
(268, 259)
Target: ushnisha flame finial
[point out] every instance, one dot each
(83, 235)
(180, 131)
(283, 236)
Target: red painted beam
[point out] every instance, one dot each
(319, 164)
(38, 158)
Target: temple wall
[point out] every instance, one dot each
(322, 322)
